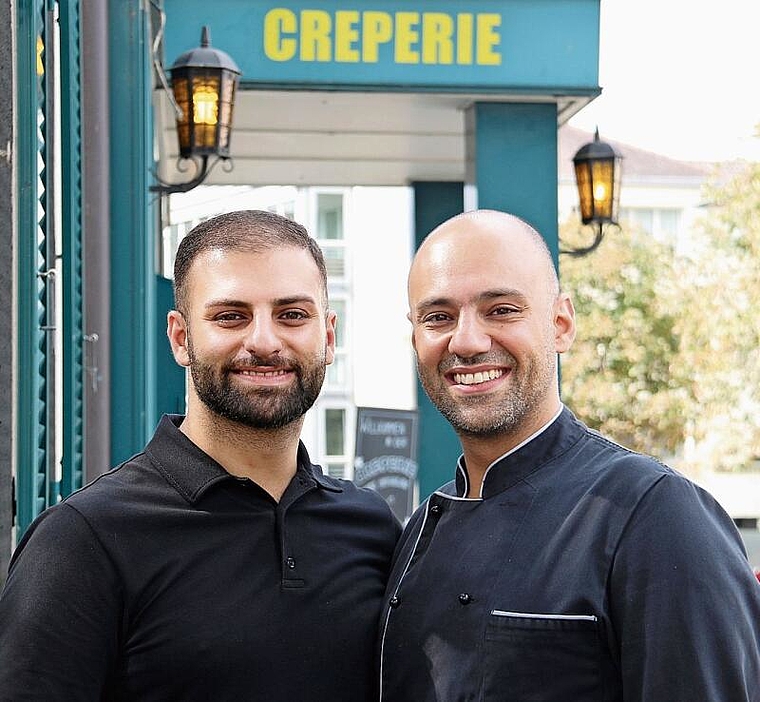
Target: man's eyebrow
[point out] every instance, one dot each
(430, 302)
(295, 300)
(277, 302)
(503, 292)
(485, 296)
(224, 302)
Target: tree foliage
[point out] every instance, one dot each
(620, 376)
(667, 357)
(721, 332)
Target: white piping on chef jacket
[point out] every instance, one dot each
(511, 451)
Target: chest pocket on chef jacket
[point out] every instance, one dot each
(546, 657)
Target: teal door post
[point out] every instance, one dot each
(512, 162)
(170, 392)
(133, 226)
(438, 445)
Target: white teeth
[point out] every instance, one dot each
(475, 378)
(258, 374)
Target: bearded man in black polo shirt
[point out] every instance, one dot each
(220, 563)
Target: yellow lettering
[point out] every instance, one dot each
(407, 36)
(315, 35)
(279, 21)
(351, 36)
(377, 28)
(488, 40)
(346, 35)
(464, 39)
(437, 33)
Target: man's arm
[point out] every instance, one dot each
(686, 607)
(60, 613)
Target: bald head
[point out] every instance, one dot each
(484, 229)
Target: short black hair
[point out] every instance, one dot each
(244, 230)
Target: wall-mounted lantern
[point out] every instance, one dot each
(597, 174)
(203, 82)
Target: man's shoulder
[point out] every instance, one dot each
(616, 459)
(132, 481)
(598, 465)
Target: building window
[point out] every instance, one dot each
(336, 456)
(337, 371)
(330, 216)
(669, 221)
(660, 223)
(639, 217)
(335, 432)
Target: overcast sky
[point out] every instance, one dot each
(679, 77)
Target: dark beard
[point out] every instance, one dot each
(491, 416)
(257, 408)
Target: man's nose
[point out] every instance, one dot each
(262, 338)
(469, 338)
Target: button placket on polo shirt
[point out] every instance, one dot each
(291, 577)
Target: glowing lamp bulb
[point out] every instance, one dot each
(600, 192)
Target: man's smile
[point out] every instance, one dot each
(478, 377)
(264, 376)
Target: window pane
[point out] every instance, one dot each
(334, 433)
(669, 223)
(336, 372)
(642, 218)
(334, 261)
(329, 216)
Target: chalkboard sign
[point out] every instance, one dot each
(386, 456)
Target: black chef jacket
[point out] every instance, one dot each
(584, 573)
(170, 579)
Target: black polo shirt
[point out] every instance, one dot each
(169, 579)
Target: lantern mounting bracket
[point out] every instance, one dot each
(203, 171)
(598, 236)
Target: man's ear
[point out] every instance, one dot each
(564, 323)
(411, 336)
(330, 327)
(176, 330)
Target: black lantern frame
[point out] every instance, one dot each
(598, 169)
(204, 81)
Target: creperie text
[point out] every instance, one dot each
(353, 36)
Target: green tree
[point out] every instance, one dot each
(621, 375)
(667, 356)
(720, 327)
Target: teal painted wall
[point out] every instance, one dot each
(170, 393)
(133, 229)
(513, 162)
